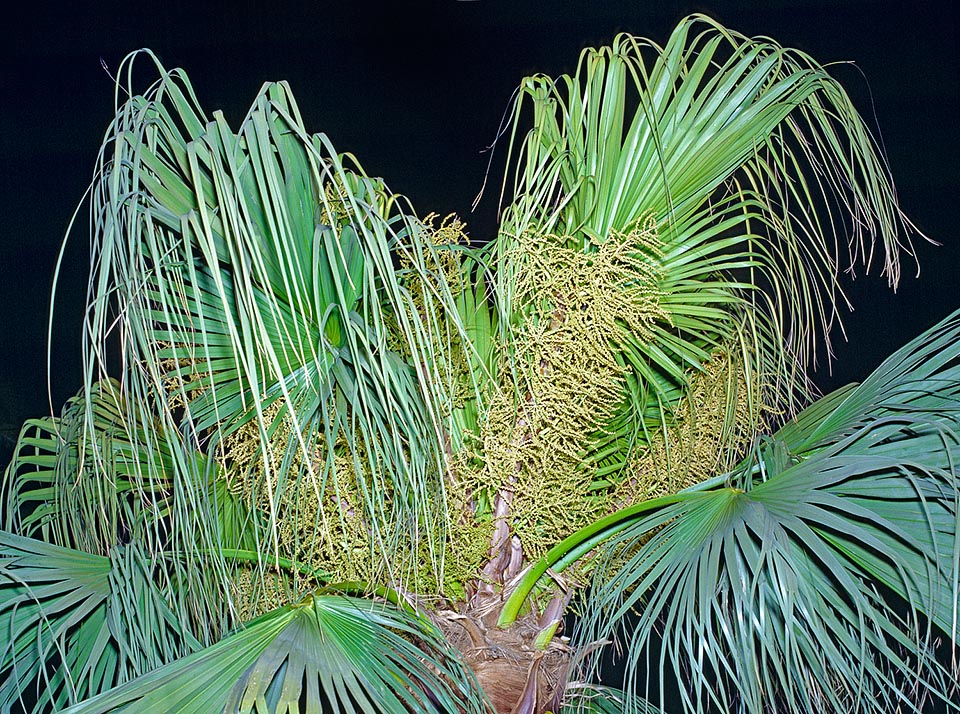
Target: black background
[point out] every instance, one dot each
(416, 91)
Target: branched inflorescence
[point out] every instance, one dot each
(566, 384)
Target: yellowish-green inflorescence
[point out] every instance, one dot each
(557, 386)
(564, 382)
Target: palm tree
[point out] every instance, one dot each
(331, 456)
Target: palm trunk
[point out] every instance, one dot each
(519, 675)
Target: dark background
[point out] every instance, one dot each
(416, 91)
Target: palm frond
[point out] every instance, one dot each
(597, 699)
(265, 322)
(755, 168)
(75, 624)
(100, 481)
(824, 575)
(79, 480)
(327, 653)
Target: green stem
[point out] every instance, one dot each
(252, 556)
(358, 587)
(575, 546)
(572, 548)
(354, 587)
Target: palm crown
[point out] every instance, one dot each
(330, 455)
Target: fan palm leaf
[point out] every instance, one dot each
(75, 624)
(256, 280)
(73, 481)
(754, 167)
(327, 653)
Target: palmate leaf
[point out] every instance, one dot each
(255, 274)
(106, 486)
(72, 479)
(74, 624)
(597, 699)
(756, 169)
(327, 653)
(765, 592)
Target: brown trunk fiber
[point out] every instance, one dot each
(518, 677)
